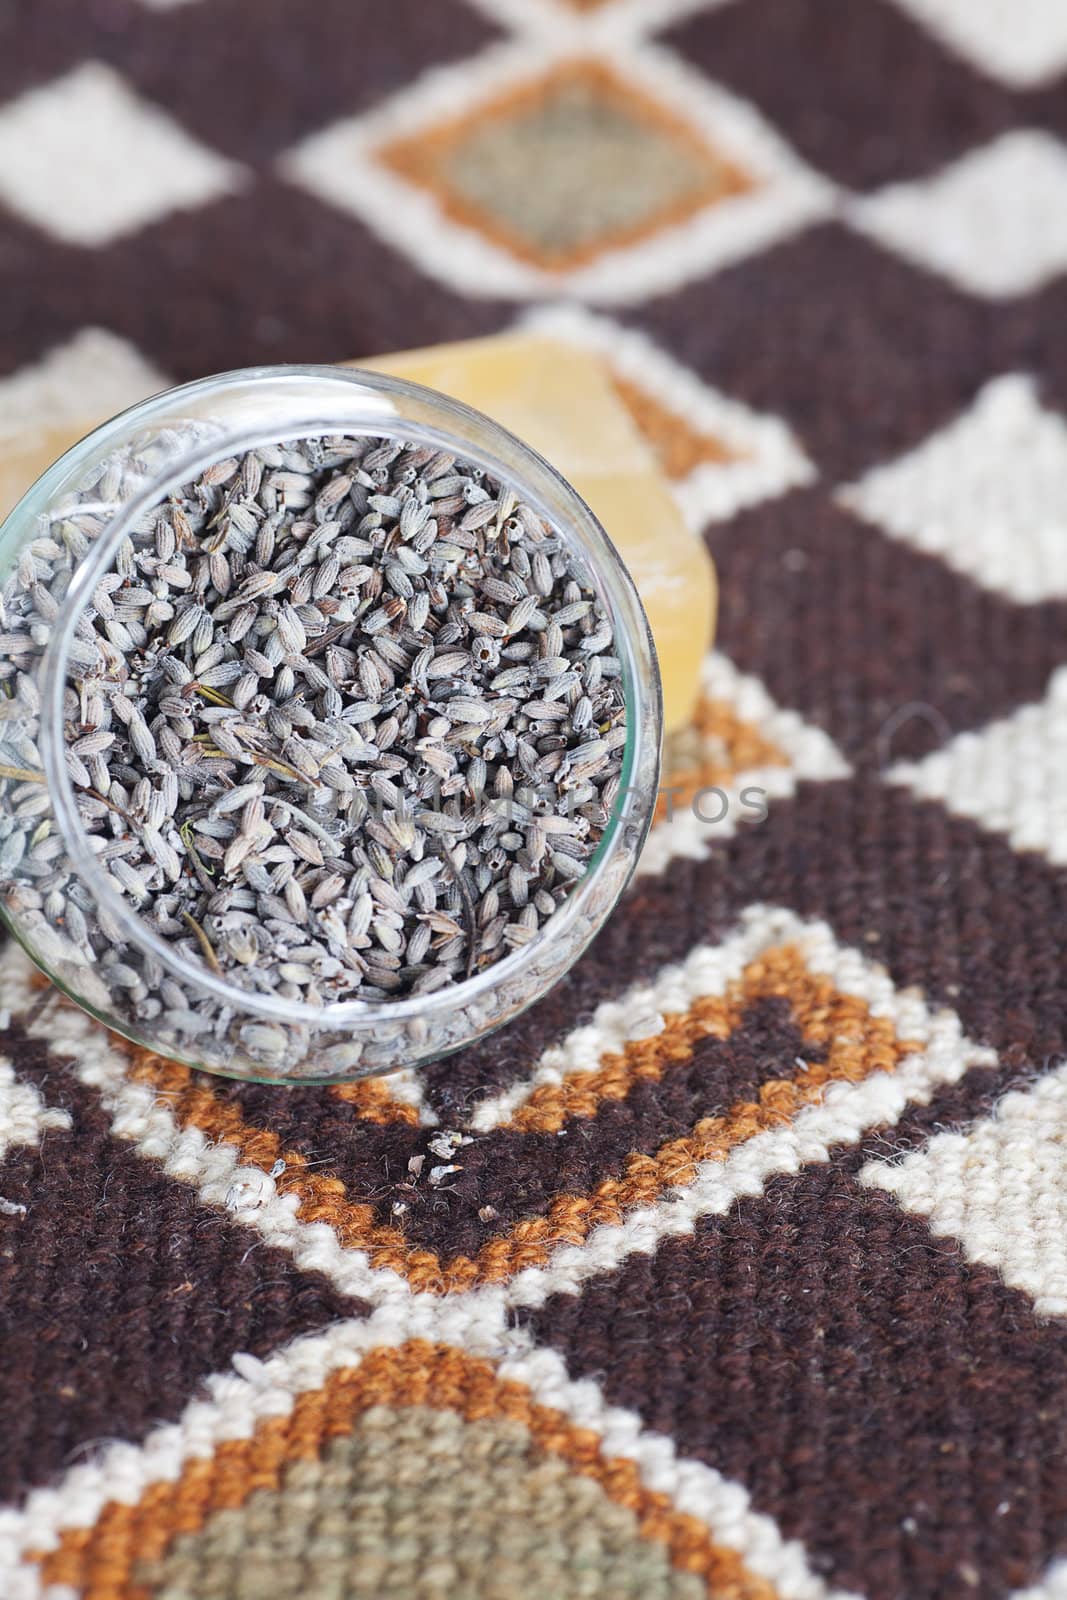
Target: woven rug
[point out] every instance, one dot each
(738, 1266)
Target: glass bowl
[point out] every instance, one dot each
(48, 862)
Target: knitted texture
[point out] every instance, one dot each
(737, 1265)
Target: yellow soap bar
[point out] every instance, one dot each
(24, 456)
(559, 398)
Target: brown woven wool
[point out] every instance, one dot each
(737, 1266)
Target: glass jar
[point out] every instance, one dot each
(47, 859)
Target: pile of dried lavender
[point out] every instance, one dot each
(343, 722)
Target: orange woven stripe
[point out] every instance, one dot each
(101, 1562)
(370, 1096)
(735, 746)
(550, 1105)
(195, 1103)
(679, 448)
(372, 1100)
(781, 972)
(421, 160)
(857, 1044)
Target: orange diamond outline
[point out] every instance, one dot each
(102, 1561)
(857, 1044)
(678, 446)
(418, 158)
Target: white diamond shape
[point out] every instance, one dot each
(340, 164)
(1021, 42)
(1010, 776)
(87, 160)
(988, 494)
(89, 378)
(1000, 1189)
(24, 1116)
(995, 222)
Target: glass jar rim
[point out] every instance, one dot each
(476, 438)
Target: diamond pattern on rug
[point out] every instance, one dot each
(835, 93)
(430, 1223)
(900, 673)
(253, 87)
(1009, 777)
(718, 454)
(819, 1299)
(222, 310)
(74, 1204)
(64, 159)
(548, 1491)
(764, 1026)
(987, 494)
(1024, 44)
(899, 350)
(784, 1378)
(998, 1188)
(509, 169)
(994, 222)
(611, 174)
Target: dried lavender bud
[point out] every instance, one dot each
(364, 695)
